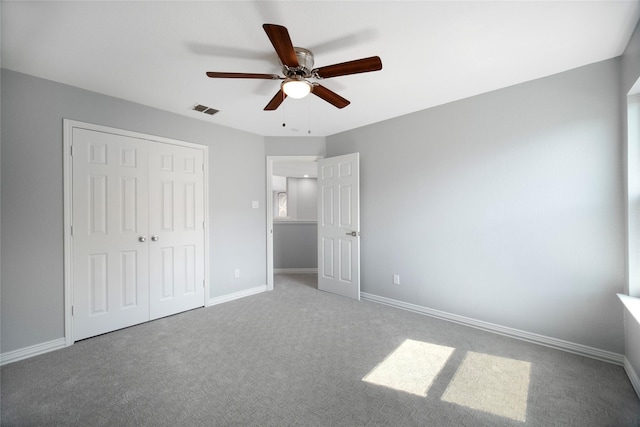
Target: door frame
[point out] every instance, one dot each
(269, 197)
(68, 126)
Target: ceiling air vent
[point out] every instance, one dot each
(204, 109)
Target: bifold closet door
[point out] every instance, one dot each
(138, 230)
(176, 226)
(110, 220)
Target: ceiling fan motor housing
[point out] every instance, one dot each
(305, 64)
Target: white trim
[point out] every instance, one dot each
(67, 188)
(236, 295)
(57, 344)
(582, 350)
(33, 350)
(632, 304)
(295, 271)
(269, 204)
(68, 126)
(633, 376)
(207, 234)
(122, 132)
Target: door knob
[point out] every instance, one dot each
(155, 238)
(353, 233)
(142, 239)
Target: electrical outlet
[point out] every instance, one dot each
(396, 279)
(236, 273)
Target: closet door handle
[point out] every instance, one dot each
(142, 239)
(155, 238)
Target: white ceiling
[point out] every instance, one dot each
(157, 53)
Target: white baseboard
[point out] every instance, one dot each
(606, 356)
(295, 271)
(633, 376)
(45, 347)
(236, 295)
(34, 350)
(582, 350)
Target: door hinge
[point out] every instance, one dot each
(72, 231)
(203, 225)
(203, 283)
(72, 313)
(71, 151)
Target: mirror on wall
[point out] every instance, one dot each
(281, 199)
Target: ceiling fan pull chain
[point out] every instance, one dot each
(308, 116)
(284, 116)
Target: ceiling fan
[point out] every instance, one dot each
(297, 67)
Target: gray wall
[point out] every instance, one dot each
(294, 146)
(32, 183)
(630, 75)
(295, 245)
(506, 207)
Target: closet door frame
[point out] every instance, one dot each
(68, 126)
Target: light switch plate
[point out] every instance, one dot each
(255, 204)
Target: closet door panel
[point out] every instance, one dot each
(109, 216)
(176, 224)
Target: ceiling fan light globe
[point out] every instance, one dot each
(296, 88)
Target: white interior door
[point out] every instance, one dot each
(110, 215)
(176, 228)
(339, 225)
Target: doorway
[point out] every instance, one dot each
(285, 216)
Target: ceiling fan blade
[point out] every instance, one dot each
(276, 101)
(217, 75)
(330, 96)
(281, 42)
(364, 65)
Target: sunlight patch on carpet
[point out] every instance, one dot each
(491, 384)
(411, 367)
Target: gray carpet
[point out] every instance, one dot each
(297, 357)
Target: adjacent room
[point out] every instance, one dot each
(320, 213)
